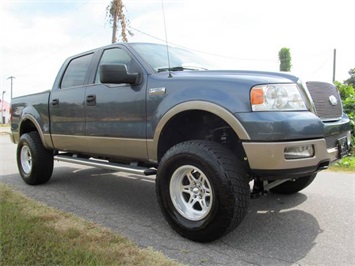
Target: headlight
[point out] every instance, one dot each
(277, 97)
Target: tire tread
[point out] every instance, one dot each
(235, 177)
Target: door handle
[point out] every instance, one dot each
(55, 102)
(91, 100)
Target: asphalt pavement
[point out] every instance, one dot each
(313, 227)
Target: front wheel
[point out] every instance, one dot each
(35, 163)
(202, 190)
(294, 185)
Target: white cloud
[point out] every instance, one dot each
(34, 48)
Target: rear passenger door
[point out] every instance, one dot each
(67, 106)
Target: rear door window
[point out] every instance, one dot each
(76, 71)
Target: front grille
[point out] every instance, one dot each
(321, 93)
(332, 140)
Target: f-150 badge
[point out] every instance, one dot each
(157, 91)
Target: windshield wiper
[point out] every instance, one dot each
(180, 68)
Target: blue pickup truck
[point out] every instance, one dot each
(213, 138)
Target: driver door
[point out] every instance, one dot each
(116, 113)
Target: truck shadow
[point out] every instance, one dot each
(275, 229)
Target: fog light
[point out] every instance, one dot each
(298, 152)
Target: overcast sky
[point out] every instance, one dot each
(37, 36)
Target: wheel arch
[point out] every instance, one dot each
(29, 124)
(157, 148)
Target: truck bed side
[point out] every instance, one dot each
(31, 112)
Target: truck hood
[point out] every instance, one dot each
(250, 77)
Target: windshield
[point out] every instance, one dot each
(156, 56)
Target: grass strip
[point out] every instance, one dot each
(346, 164)
(34, 234)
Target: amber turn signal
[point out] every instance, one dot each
(257, 96)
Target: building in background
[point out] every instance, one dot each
(5, 106)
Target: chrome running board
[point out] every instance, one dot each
(107, 165)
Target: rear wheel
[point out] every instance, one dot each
(35, 163)
(202, 190)
(294, 185)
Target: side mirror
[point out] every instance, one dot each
(118, 74)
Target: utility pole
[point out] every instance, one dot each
(12, 78)
(334, 63)
(114, 27)
(115, 13)
(2, 107)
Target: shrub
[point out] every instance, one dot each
(347, 94)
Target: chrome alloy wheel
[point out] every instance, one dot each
(191, 193)
(26, 159)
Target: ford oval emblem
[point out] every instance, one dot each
(333, 101)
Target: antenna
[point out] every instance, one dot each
(166, 39)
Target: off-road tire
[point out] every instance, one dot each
(225, 179)
(294, 186)
(34, 161)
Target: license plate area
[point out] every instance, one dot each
(343, 148)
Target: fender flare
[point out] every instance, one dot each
(33, 120)
(215, 109)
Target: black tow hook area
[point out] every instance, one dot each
(262, 188)
(258, 189)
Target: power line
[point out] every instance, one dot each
(203, 52)
(322, 65)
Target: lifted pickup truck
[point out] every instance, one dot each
(205, 134)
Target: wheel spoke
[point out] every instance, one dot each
(191, 177)
(207, 191)
(201, 179)
(186, 189)
(203, 204)
(192, 202)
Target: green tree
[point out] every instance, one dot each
(115, 13)
(285, 59)
(347, 94)
(351, 80)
